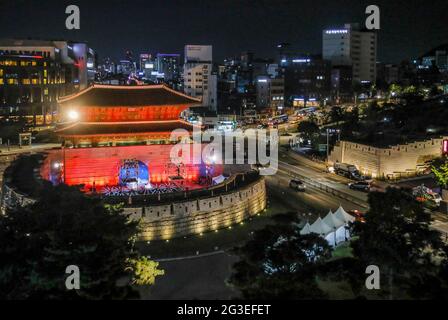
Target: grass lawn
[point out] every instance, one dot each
(342, 251)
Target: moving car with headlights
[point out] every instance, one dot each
(298, 185)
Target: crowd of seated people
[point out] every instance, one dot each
(117, 191)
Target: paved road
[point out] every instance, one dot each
(202, 278)
(305, 167)
(315, 171)
(313, 201)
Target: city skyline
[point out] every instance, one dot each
(229, 27)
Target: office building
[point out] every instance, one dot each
(168, 64)
(199, 78)
(307, 80)
(352, 46)
(35, 73)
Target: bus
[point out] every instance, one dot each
(283, 118)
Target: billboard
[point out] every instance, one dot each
(197, 53)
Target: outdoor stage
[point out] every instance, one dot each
(126, 170)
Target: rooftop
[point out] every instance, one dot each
(110, 95)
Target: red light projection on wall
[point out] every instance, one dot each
(124, 113)
(445, 147)
(100, 167)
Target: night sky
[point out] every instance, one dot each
(408, 28)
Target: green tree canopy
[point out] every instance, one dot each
(64, 228)
(440, 170)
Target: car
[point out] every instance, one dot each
(298, 185)
(360, 185)
(359, 216)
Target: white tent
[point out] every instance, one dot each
(333, 227)
(320, 227)
(338, 229)
(332, 221)
(343, 233)
(344, 216)
(306, 229)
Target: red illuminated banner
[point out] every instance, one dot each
(445, 147)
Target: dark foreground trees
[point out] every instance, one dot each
(395, 236)
(279, 263)
(65, 228)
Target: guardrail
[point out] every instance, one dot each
(323, 187)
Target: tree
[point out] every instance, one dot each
(395, 90)
(440, 170)
(65, 227)
(397, 238)
(145, 271)
(279, 263)
(308, 129)
(335, 115)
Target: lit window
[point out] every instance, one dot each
(1, 81)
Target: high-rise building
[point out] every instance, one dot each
(352, 46)
(35, 73)
(307, 79)
(199, 78)
(270, 93)
(169, 65)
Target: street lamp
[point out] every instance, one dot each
(73, 115)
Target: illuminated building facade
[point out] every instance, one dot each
(35, 73)
(105, 115)
(352, 46)
(199, 80)
(119, 136)
(307, 79)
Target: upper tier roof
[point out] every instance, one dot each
(109, 95)
(134, 127)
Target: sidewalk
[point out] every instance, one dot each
(14, 149)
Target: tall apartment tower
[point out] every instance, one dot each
(352, 46)
(199, 80)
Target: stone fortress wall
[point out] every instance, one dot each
(195, 216)
(394, 161)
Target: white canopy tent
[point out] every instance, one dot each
(338, 229)
(333, 227)
(306, 229)
(320, 227)
(341, 214)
